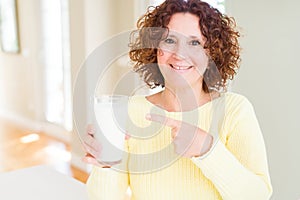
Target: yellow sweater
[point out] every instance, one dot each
(234, 169)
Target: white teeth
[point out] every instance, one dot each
(177, 67)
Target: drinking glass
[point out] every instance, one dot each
(111, 115)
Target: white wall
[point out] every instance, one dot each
(18, 72)
(21, 75)
(78, 54)
(269, 78)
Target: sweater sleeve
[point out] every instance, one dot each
(109, 183)
(237, 166)
(106, 183)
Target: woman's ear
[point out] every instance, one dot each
(160, 52)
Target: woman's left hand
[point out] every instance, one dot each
(189, 140)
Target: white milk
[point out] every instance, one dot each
(111, 114)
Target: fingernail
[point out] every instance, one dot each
(148, 116)
(127, 137)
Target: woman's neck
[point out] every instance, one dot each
(182, 100)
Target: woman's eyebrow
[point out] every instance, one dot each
(172, 35)
(195, 37)
(176, 35)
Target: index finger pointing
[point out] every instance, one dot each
(163, 120)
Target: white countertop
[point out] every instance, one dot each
(40, 183)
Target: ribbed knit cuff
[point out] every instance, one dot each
(229, 176)
(217, 158)
(106, 183)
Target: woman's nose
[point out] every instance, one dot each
(181, 52)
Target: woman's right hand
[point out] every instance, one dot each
(92, 148)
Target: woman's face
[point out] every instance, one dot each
(181, 58)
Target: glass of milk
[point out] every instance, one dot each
(111, 113)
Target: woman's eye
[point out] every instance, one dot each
(195, 43)
(169, 41)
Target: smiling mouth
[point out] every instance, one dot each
(181, 68)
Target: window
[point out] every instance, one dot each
(57, 70)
